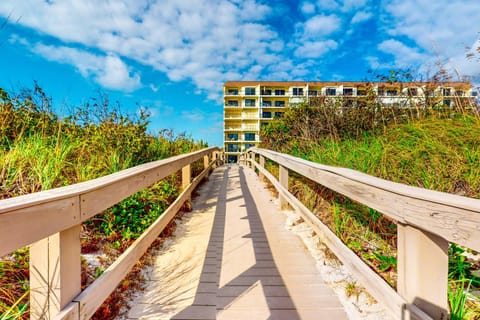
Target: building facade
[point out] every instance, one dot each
(250, 104)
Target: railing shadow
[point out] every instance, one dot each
(214, 299)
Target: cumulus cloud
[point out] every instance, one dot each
(404, 56)
(361, 16)
(201, 40)
(442, 27)
(109, 70)
(312, 37)
(307, 8)
(320, 25)
(315, 49)
(328, 5)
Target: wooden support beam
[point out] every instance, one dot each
(186, 179)
(422, 266)
(262, 164)
(206, 161)
(283, 179)
(54, 273)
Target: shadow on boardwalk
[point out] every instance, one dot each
(216, 299)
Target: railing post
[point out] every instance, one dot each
(206, 161)
(55, 273)
(422, 266)
(283, 179)
(186, 179)
(262, 164)
(215, 157)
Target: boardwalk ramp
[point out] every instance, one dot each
(233, 258)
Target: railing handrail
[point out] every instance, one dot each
(28, 200)
(50, 222)
(443, 198)
(426, 222)
(456, 209)
(13, 223)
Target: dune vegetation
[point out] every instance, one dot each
(425, 144)
(40, 150)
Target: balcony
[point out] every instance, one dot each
(231, 92)
(232, 137)
(232, 148)
(297, 92)
(231, 103)
(233, 117)
(331, 92)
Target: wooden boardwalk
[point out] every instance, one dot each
(233, 258)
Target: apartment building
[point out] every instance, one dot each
(250, 104)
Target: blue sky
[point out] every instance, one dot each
(172, 56)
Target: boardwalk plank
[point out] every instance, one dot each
(234, 259)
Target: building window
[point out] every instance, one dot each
(249, 136)
(232, 103)
(381, 92)
(298, 91)
(267, 103)
(348, 92)
(278, 115)
(474, 93)
(266, 114)
(279, 103)
(232, 137)
(459, 93)
(392, 93)
(331, 92)
(267, 92)
(313, 93)
(249, 145)
(279, 92)
(412, 91)
(249, 102)
(232, 92)
(446, 92)
(361, 92)
(232, 147)
(249, 91)
(448, 103)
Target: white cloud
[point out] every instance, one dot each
(205, 41)
(441, 27)
(311, 49)
(307, 8)
(351, 5)
(321, 25)
(313, 38)
(404, 56)
(327, 5)
(461, 67)
(361, 16)
(109, 71)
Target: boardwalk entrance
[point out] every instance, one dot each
(234, 259)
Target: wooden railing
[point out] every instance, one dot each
(427, 222)
(50, 222)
